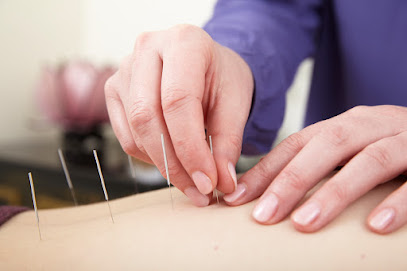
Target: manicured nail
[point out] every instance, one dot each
(202, 182)
(196, 197)
(232, 172)
(382, 219)
(266, 208)
(237, 194)
(307, 214)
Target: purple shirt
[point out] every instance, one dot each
(7, 212)
(359, 47)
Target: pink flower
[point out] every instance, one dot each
(72, 95)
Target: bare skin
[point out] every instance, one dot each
(149, 235)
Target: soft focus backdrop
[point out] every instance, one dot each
(36, 33)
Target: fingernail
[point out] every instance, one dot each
(266, 208)
(232, 172)
(238, 193)
(202, 182)
(196, 197)
(382, 219)
(307, 214)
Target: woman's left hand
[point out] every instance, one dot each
(371, 143)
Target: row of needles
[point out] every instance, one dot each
(69, 181)
(102, 180)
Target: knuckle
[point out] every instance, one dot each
(110, 86)
(140, 115)
(338, 192)
(140, 146)
(337, 135)
(129, 147)
(388, 108)
(391, 110)
(184, 31)
(357, 110)
(175, 99)
(143, 41)
(194, 35)
(186, 149)
(292, 178)
(294, 142)
(174, 169)
(378, 154)
(263, 169)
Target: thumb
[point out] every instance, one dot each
(227, 118)
(225, 125)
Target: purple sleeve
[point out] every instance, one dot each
(273, 37)
(7, 212)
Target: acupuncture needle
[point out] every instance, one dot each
(67, 176)
(133, 172)
(131, 165)
(30, 177)
(102, 181)
(210, 145)
(166, 169)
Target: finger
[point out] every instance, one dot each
(145, 116)
(254, 182)
(122, 81)
(340, 138)
(226, 124)
(391, 214)
(119, 122)
(125, 75)
(332, 145)
(377, 163)
(183, 83)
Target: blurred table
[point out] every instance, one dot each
(41, 158)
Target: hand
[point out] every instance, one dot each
(178, 82)
(371, 143)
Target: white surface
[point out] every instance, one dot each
(112, 27)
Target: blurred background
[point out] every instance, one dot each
(44, 43)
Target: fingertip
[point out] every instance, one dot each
(300, 227)
(197, 198)
(112, 83)
(304, 229)
(381, 221)
(226, 152)
(236, 197)
(232, 172)
(227, 180)
(197, 161)
(202, 182)
(304, 218)
(265, 209)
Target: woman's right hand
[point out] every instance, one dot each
(179, 82)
